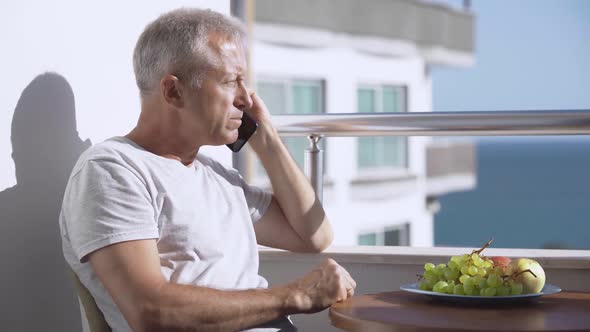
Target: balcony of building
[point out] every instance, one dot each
(439, 34)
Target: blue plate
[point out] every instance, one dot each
(548, 289)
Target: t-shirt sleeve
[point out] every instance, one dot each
(107, 203)
(258, 199)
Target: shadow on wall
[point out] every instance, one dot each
(37, 289)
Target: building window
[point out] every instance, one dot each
(291, 96)
(381, 152)
(368, 239)
(398, 235)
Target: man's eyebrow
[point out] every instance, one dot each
(233, 73)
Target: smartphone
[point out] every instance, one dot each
(247, 128)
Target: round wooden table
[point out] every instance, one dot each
(402, 311)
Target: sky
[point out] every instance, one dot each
(529, 55)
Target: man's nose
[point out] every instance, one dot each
(243, 100)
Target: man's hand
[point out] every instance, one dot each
(327, 284)
(258, 111)
(266, 133)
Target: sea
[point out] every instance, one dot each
(532, 192)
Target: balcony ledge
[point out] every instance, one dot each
(548, 258)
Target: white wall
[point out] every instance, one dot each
(89, 96)
(343, 70)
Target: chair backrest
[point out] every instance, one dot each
(94, 316)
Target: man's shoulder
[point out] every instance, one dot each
(118, 150)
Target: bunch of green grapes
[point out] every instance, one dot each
(472, 274)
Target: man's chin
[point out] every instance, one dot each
(228, 140)
(233, 137)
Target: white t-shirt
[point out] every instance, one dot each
(201, 217)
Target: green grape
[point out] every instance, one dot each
(465, 269)
(473, 270)
(456, 259)
(482, 292)
(487, 264)
(498, 270)
(490, 291)
(464, 257)
(482, 271)
(464, 278)
(453, 265)
(439, 271)
(428, 266)
(482, 283)
(440, 287)
(450, 287)
(458, 290)
(423, 285)
(503, 291)
(451, 274)
(494, 280)
(516, 288)
(477, 261)
(430, 276)
(468, 289)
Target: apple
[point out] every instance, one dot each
(531, 283)
(501, 261)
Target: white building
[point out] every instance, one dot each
(325, 56)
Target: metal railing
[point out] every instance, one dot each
(488, 123)
(495, 123)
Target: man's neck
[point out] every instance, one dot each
(158, 137)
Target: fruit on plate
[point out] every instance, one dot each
(529, 273)
(477, 275)
(501, 261)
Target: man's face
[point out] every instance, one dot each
(215, 109)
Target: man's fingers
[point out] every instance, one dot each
(350, 292)
(342, 294)
(348, 277)
(344, 283)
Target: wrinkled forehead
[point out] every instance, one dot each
(231, 54)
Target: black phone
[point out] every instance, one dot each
(245, 131)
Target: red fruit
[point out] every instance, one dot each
(501, 261)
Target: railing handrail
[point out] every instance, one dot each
(484, 123)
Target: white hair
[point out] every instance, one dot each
(177, 43)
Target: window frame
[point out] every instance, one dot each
(287, 83)
(378, 88)
(404, 239)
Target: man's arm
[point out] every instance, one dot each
(295, 220)
(130, 271)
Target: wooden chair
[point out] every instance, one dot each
(94, 316)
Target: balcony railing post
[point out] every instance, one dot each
(313, 164)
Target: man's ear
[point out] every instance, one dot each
(172, 90)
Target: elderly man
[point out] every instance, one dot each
(165, 238)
